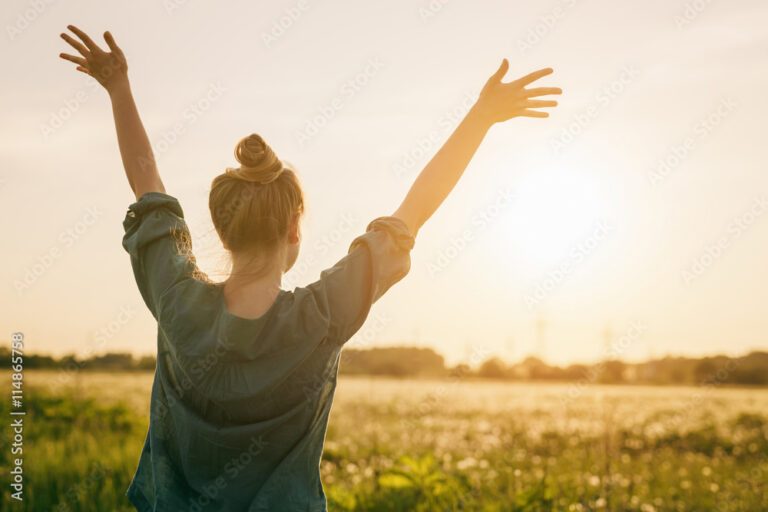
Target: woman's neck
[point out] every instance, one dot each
(252, 285)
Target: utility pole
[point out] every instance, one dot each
(607, 341)
(541, 342)
(509, 348)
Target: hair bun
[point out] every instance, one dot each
(258, 162)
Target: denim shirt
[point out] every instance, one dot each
(239, 407)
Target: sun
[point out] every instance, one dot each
(553, 211)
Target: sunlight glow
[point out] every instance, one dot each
(553, 210)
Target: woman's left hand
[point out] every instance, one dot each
(500, 101)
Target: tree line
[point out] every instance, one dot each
(750, 369)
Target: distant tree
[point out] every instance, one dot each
(146, 363)
(460, 371)
(677, 375)
(493, 368)
(751, 376)
(395, 361)
(111, 361)
(575, 372)
(704, 370)
(535, 368)
(751, 369)
(612, 372)
(70, 362)
(39, 361)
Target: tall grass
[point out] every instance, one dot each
(422, 446)
(79, 455)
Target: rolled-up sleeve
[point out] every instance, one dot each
(158, 242)
(376, 260)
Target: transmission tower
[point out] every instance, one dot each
(541, 341)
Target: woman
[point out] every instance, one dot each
(246, 371)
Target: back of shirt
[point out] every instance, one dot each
(239, 406)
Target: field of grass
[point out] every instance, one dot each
(436, 445)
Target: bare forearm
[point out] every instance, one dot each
(498, 102)
(110, 69)
(440, 175)
(135, 148)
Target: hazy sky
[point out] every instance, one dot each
(640, 206)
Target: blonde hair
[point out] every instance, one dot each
(252, 206)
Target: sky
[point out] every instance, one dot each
(631, 223)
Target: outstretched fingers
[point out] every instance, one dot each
(533, 113)
(529, 105)
(77, 45)
(540, 103)
(111, 43)
(84, 37)
(542, 91)
(499, 74)
(72, 58)
(532, 77)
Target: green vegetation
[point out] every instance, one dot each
(450, 444)
(751, 369)
(78, 454)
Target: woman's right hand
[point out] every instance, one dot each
(110, 69)
(501, 101)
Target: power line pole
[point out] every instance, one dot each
(607, 341)
(511, 350)
(541, 342)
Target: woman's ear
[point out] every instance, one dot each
(294, 233)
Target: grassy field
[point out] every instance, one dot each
(437, 445)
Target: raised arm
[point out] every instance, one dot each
(497, 102)
(110, 69)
